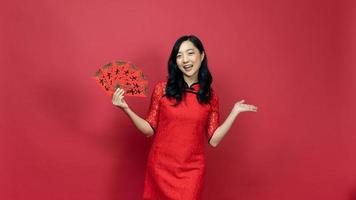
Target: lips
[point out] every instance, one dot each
(187, 67)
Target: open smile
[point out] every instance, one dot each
(187, 67)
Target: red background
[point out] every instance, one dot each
(61, 138)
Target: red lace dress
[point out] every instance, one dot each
(176, 161)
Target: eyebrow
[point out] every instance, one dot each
(186, 50)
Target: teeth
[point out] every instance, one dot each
(188, 67)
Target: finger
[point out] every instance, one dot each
(114, 97)
(246, 106)
(240, 102)
(117, 91)
(121, 92)
(253, 107)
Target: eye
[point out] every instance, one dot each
(191, 53)
(178, 55)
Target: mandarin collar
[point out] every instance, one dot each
(194, 86)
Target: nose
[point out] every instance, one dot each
(185, 58)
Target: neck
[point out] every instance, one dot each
(190, 80)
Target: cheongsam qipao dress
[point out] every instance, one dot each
(176, 161)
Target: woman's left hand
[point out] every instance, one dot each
(241, 107)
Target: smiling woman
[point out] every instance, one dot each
(188, 60)
(188, 64)
(184, 117)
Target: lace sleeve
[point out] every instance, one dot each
(153, 112)
(213, 119)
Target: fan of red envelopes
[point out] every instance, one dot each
(122, 74)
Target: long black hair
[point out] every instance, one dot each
(176, 84)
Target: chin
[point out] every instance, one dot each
(190, 74)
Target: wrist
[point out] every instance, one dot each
(235, 112)
(125, 109)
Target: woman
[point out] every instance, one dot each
(183, 116)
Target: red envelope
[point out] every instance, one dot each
(122, 74)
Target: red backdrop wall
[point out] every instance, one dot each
(61, 138)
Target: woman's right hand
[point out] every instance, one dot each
(118, 99)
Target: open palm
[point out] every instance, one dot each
(241, 107)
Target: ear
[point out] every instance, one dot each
(202, 56)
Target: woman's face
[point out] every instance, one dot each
(189, 59)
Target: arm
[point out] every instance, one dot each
(146, 125)
(141, 124)
(222, 130)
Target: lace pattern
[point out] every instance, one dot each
(153, 112)
(214, 116)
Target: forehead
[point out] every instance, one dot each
(186, 46)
